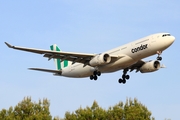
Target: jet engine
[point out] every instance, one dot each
(100, 59)
(150, 66)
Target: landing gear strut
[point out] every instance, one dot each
(159, 57)
(95, 75)
(124, 77)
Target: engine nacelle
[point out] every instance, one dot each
(100, 59)
(150, 66)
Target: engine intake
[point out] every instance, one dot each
(100, 59)
(150, 66)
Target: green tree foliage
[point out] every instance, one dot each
(89, 113)
(27, 110)
(131, 110)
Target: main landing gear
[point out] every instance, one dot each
(159, 57)
(124, 77)
(95, 75)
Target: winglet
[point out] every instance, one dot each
(10, 46)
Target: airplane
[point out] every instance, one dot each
(127, 57)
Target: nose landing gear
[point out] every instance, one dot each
(159, 57)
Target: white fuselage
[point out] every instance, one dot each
(131, 52)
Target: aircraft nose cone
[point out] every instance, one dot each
(170, 40)
(173, 39)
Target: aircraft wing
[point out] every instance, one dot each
(71, 56)
(136, 66)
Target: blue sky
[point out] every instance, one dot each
(90, 26)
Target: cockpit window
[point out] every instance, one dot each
(166, 35)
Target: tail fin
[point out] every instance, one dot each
(58, 63)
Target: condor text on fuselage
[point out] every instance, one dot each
(142, 47)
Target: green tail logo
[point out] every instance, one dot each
(59, 64)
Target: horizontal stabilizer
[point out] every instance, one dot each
(47, 70)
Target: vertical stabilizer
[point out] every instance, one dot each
(58, 63)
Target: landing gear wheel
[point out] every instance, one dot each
(124, 81)
(127, 77)
(123, 76)
(91, 77)
(159, 58)
(120, 80)
(95, 73)
(95, 77)
(98, 73)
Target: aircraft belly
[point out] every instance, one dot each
(78, 72)
(118, 65)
